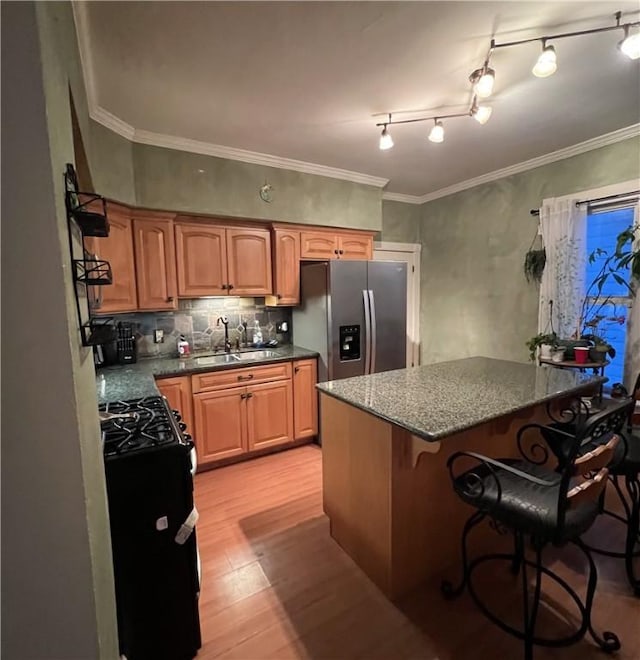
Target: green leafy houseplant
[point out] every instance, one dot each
(534, 263)
(542, 338)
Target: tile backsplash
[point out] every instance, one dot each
(197, 321)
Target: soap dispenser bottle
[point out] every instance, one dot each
(257, 334)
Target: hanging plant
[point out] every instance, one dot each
(534, 263)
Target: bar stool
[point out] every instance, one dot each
(537, 503)
(624, 477)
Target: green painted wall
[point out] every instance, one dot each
(400, 222)
(474, 297)
(57, 574)
(111, 163)
(170, 179)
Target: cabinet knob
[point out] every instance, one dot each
(278, 296)
(340, 251)
(296, 369)
(335, 252)
(230, 286)
(249, 377)
(169, 298)
(224, 286)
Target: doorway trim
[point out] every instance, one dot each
(409, 253)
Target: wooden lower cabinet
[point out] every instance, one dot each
(305, 399)
(178, 393)
(270, 414)
(221, 424)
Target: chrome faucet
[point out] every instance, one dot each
(225, 322)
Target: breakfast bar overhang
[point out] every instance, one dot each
(386, 438)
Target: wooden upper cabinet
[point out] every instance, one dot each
(249, 262)
(155, 262)
(352, 246)
(318, 245)
(201, 259)
(305, 398)
(286, 268)
(117, 249)
(177, 391)
(269, 414)
(328, 244)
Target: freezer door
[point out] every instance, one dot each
(347, 324)
(387, 284)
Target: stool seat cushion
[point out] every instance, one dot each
(522, 505)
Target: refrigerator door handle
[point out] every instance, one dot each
(367, 333)
(373, 342)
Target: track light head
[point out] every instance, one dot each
(630, 45)
(547, 62)
(481, 113)
(437, 132)
(386, 141)
(483, 80)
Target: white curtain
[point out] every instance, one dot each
(564, 235)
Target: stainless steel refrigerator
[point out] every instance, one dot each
(354, 313)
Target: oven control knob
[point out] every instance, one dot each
(182, 426)
(176, 415)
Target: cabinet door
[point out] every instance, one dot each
(270, 414)
(318, 245)
(155, 263)
(117, 249)
(305, 399)
(178, 393)
(286, 268)
(201, 260)
(249, 262)
(221, 424)
(355, 247)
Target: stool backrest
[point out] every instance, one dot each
(599, 433)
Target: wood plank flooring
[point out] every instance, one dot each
(275, 585)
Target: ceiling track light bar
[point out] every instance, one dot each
(483, 79)
(564, 35)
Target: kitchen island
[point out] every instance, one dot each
(386, 439)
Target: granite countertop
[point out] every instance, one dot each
(438, 400)
(132, 381)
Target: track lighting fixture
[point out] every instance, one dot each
(547, 62)
(483, 79)
(437, 132)
(630, 45)
(386, 141)
(481, 113)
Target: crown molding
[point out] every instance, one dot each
(400, 197)
(574, 150)
(254, 157)
(116, 124)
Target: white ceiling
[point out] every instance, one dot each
(303, 80)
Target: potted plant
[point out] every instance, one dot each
(543, 341)
(534, 263)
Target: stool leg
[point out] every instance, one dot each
(609, 642)
(447, 588)
(530, 610)
(633, 529)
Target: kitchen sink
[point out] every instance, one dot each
(257, 355)
(234, 358)
(227, 358)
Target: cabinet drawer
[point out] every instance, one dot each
(243, 376)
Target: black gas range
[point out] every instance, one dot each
(148, 465)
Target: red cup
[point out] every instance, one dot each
(582, 354)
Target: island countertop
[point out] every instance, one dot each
(438, 400)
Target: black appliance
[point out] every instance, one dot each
(126, 343)
(152, 515)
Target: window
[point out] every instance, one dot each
(603, 226)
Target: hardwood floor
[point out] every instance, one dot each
(275, 585)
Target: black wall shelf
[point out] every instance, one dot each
(87, 216)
